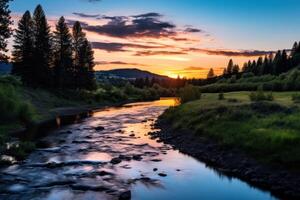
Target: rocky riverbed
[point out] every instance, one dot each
(112, 156)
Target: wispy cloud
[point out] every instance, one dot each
(153, 53)
(119, 63)
(231, 53)
(115, 46)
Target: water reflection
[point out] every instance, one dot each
(112, 152)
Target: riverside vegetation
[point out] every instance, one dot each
(264, 127)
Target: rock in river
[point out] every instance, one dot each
(125, 195)
(162, 174)
(99, 128)
(115, 161)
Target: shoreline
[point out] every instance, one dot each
(280, 182)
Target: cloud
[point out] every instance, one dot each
(118, 63)
(195, 68)
(115, 46)
(193, 30)
(153, 53)
(148, 15)
(92, 1)
(71, 22)
(145, 25)
(85, 15)
(231, 53)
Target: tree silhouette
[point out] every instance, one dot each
(42, 47)
(5, 30)
(230, 67)
(23, 49)
(63, 63)
(236, 69)
(211, 73)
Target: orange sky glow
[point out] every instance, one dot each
(188, 54)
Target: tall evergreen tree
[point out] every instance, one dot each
(42, 47)
(258, 67)
(253, 67)
(63, 63)
(245, 67)
(23, 49)
(78, 41)
(83, 58)
(277, 63)
(86, 63)
(211, 73)
(230, 67)
(265, 69)
(5, 31)
(236, 69)
(294, 49)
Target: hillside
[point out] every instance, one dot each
(129, 73)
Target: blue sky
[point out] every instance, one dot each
(231, 24)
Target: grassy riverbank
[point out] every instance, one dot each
(269, 131)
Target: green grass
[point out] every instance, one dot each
(269, 131)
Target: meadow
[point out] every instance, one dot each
(266, 130)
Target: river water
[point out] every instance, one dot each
(76, 164)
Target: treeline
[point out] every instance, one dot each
(274, 65)
(60, 59)
(163, 82)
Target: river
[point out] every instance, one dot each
(110, 153)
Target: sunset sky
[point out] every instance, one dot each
(177, 37)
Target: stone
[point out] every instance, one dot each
(115, 161)
(125, 195)
(99, 128)
(162, 174)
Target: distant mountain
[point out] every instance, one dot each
(5, 68)
(130, 73)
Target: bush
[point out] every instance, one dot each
(12, 107)
(259, 95)
(221, 96)
(189, 93)
(296, 98)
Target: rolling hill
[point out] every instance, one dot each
(129, 73)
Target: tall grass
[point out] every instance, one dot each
(266, 130)
(13, 107)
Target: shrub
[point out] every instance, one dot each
(296, 98)
(221, 96)
(260, 95)
(189, 93)
(12, 107)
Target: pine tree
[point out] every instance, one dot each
(265, 69)
(5, 30)
(78, 41)
(245, 67)
(211, 73)
(253, 66)
(294, 49)
(236, 69)
(23, 49)
(224, 72)
(63, 63)
(258, 67)
(277, 63)
(86, 63)
(42, 47)
(230, 67)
